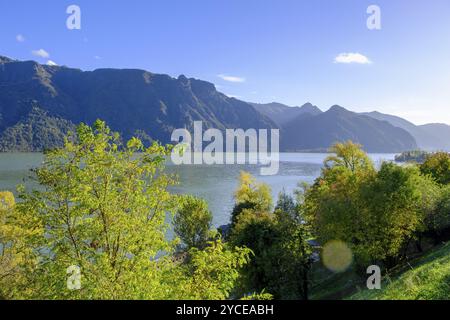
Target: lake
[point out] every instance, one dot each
(215, 184)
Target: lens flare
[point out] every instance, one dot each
(337, 256)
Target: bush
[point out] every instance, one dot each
(251, 195)
(192, 222)
(437, 166)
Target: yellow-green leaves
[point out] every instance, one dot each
(349, 156)
(374, 213)
(18, 240)
(192, 222)
(438, 167)
(101, 209)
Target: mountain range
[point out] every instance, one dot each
(130, 101)
(39, 104)
(303, 129)
(429, 137)
(282, 114)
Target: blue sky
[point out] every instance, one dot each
(256, 50)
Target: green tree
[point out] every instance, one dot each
(438, 166)
(251, 195)
(394, 209)
(332, 205)
(281, 255)
(295, 253)
(286, 206)
(20, 235)
(192, 222)
(14, 252)
(101, 206)
(349, 156)
(374, 213)
(212, 273)
(438, 218)
(104, 211)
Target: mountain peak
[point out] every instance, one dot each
(182, 78)
(337, 108)
(319, 132)
(310, 108)
(202, 86)
(4, 59)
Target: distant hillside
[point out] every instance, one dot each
(35, 132)
(282, 114)
(441, 132)
(40, 103)
(430, 137)
(128, 100)
(308, 132)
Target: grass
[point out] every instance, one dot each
(424, 278)
(327, 285)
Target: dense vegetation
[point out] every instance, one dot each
(278, 240)
(438, 167)
(36, 132)
(102, 207)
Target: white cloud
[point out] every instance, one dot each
(20, 38)
(352, 58)
(231, 78)
(40, 53)
(97, 57)
(51, 63)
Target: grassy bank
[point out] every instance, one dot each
(426, 278)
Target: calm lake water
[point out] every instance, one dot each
(215, 184)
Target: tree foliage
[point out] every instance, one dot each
(393, 204)
(101, 206)
(349, 156)
(251, 195)
(192, 222)
(437, 166)
(375, 213)
(278, 240)
(437, 220)
(212, 273)
(17, 258)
